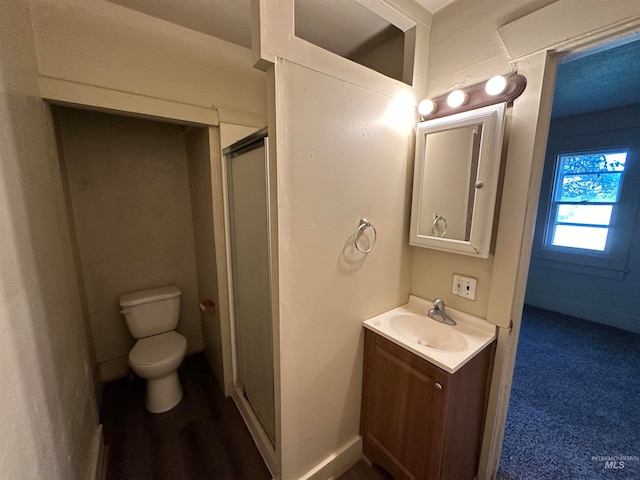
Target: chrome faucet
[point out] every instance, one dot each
(439, 314)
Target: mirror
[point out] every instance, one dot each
(455, 181)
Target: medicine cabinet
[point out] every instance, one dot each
(456, 172)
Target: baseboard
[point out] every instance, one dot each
(98, 457)
(337, 463)
(114, 369)
(195, 344)
(597, 313)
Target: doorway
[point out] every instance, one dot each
(581, 297)
(138, 196)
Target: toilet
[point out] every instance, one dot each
(152, 316)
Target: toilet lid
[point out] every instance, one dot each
(158, 348)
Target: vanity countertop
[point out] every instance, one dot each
(448, 347)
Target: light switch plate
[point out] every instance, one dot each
(464, 286)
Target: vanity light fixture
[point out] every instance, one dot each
(457, 98)
(496, 85)
(427, 107)
(498, 89)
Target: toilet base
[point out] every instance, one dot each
(163, 393)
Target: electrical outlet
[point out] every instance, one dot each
(464, 286)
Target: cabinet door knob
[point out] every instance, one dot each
(438, 386)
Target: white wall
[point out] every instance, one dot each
(98, 43)
(129, 187)
(600, 295)
(230, 133)
(468, 46)
(384, 57)
(465, 45)
(339, 158)
(341, 144)
(465, 49)
(48, 419)
(471, 41)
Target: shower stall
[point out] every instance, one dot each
(247, 167)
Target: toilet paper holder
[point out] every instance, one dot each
(207, 307)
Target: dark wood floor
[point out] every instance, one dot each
(204, 437)
(362, 471)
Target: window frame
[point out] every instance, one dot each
(612, 262)
(554, 206)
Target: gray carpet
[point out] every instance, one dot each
(574, 411)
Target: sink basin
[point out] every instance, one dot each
(446, 346)
(427, 332)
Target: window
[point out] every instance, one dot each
(586, 191)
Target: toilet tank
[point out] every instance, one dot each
(150, 312)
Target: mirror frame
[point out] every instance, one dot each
(492, 119)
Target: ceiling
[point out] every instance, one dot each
(230, 20)
(603, 78)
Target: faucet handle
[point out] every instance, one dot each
(438, 304)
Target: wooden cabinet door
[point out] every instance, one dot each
(402, 410)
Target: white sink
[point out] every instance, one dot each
(448, 347)
(414, 328)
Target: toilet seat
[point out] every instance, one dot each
(158, 349)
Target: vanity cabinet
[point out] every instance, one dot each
(418, 421)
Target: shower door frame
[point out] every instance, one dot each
(267, 444)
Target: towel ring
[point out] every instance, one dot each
(364, 224)
(436, 223)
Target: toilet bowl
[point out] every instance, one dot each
(156, 359)
(152, 316)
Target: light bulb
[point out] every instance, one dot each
(426, 107)
(496, 85)
(456, 98)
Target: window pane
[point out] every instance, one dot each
(589, 214)
(586, 188)
(590, 238)
(590, 187)
(594, 163)
(616, 161)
